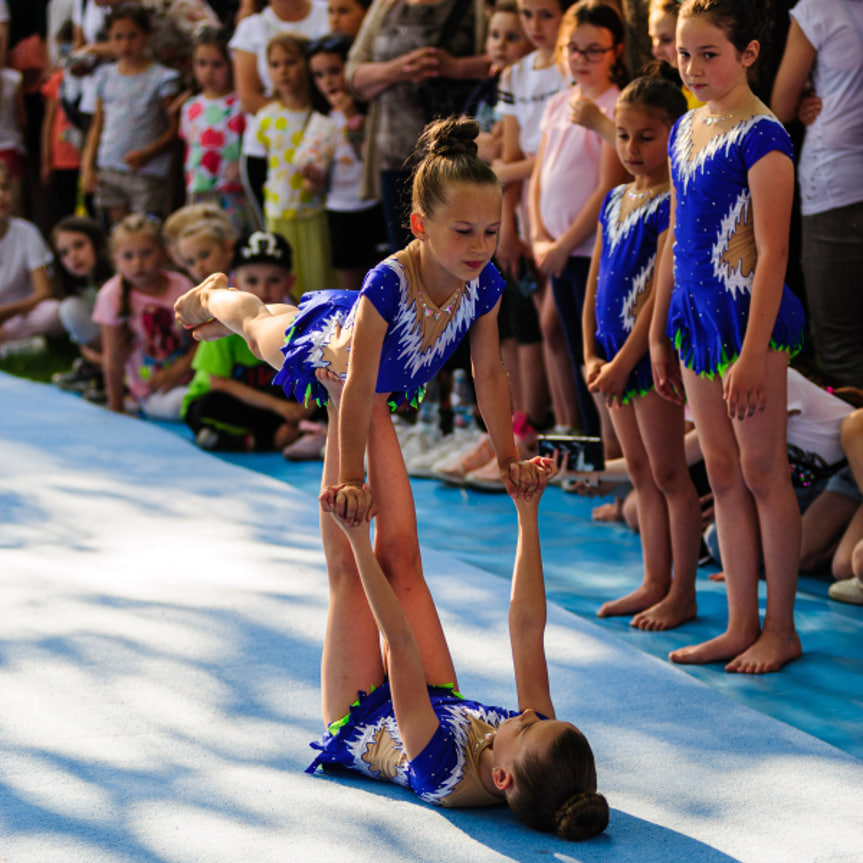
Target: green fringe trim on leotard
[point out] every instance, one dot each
(726, 362)
(630, 395)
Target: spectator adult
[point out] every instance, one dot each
(393, 56)
(825, 49)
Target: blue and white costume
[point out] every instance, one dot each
(714, 244)
(445, 773)
(626, 269)
(420, 336)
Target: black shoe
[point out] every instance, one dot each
(81, 377)
(95, 394)
(214, 440)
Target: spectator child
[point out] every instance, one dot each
(13, 120)
(181, 219)
(127, 157)
(80, 246)
(212, 125)
(270, 145)
(722, 307)
(27, 304)
(563, 215)
(346, 16)
(231, 403)
(143, 348)
(356, 226)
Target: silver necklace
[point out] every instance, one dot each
(713, 119)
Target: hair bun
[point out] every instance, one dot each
(582, 816)
(453, 136)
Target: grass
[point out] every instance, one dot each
(40, 365)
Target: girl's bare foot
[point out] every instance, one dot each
(769, 653)
(332, 383)
(609, 512)
(719, 649)
(640, 599)
(191, 310)
(668, 613)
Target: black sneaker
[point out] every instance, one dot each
(95, 394)
(82, 376)
(214, 440)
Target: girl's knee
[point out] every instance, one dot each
(399, 556)
(842, 565)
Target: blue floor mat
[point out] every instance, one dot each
(587, 563)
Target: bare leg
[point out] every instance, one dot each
(213, 310)
(351, 659)
(824, 523)
(561, 382)
(352, 651)
(736, 522)
(655, 543)
(534, 384)
(662, 427)
(764, 462)
(842, 567)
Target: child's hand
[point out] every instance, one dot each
(744, 388)
(808, 109)
(666, 372)
(611, 382)
(592, 368)
(136, 159)
(351, 503)
(585, 112)
(314, 179)
(550, 257)
(530, 478)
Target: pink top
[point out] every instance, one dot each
(157, 339)
(569, 171)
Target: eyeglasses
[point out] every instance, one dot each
(593, 54)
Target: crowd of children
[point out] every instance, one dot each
(641, 246)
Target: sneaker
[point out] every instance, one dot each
(95, 394)
(421, 465)
(414, 443)
(31, 345)
(214, 440)
(848, 590)
(82, 376)
(310, 447)
(454, 470)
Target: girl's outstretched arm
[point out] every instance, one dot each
(495, 405)
(666, 368)
(527, 605)
(350, 500)
(415, 717)
(771, 182)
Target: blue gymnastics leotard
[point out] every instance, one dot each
(420, 336)
(626, 268)
(445, 773)
(714, 244)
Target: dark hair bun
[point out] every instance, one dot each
(581, 817)
(453, 136)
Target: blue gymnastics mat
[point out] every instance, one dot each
(160, 656)
(587, 563)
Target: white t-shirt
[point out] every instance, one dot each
(830, 170)
(22, 251)
(523, 93)
(814, 417)
(253, 34)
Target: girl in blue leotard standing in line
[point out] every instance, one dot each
(722, 306)
(632, 231)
